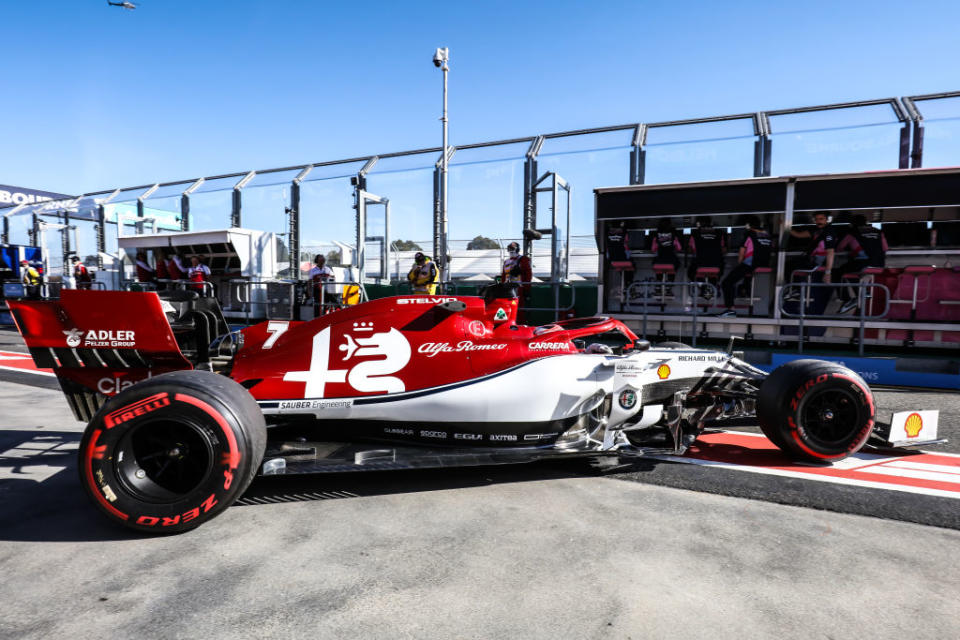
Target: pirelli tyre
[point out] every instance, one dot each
(816, 411)
(172, 452)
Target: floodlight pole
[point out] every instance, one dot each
(444, 54)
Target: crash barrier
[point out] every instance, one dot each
(48, 290)
(278, 298)
(866, 291)
(205, 289)
(561, 307)
(924, 308)
(96, 284)
(352, 293)
(691, 293)
(558, 309)
(135, 285)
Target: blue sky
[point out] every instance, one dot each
(97, 97)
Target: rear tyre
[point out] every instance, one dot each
(170, 453)
(816, 411)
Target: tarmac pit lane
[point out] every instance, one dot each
(555, 550)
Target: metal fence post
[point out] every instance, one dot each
(696, 309)
(101, 234)
(638, 155)
(140, 206)
(529, 192)
(762, 146)
(804, 292)
(236, 212)
(65, 240)
(916, 151)
(293, 222)
(185, 204)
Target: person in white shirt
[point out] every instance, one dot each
(319, 274)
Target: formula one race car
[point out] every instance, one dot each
(179, 406)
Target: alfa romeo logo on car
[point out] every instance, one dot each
(628, 399)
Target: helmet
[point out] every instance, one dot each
(419, 258)
(24, 262)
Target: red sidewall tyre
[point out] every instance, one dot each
(172, 452)
(816, 411)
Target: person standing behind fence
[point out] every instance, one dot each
(819, 253)
(517, 268)
(198, 273)
(175, 268)
(617, 243)
(867, 247)
(755, 252)
(145, 273)
(666, 246)
(319, 274)
(424, 275)
(31, 280)
(162, 272)
(81, 274)
(707, 246)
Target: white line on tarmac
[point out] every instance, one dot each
(920, 474)
(811, 476)
(925, 466)
(33, 371)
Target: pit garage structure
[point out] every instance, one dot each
(913, 302)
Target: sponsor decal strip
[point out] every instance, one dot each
(932, 474)
(395, 397)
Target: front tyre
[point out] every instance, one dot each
(816, 411)
(170, 453)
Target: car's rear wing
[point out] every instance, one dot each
(98, 342)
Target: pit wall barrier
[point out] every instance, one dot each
(897, 372)
(577, 299)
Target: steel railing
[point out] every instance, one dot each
(206, 289)
(645, 287)
(805, 298)
(333, 306)
(557, 285)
